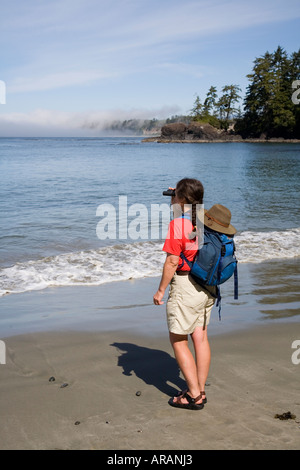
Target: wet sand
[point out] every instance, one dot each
(103, 344)
(252, 378)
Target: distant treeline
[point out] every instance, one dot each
(269, 109)
(144, 126)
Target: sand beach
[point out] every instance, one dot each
(72, 385)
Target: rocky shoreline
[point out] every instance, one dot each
(198, 132)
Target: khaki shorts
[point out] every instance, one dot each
(188, 305)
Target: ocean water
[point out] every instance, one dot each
(55, 192)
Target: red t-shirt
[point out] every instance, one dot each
(177, 241)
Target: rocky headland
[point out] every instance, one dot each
(198, 132)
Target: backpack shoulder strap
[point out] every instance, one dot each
(182, 256)
(184, 259)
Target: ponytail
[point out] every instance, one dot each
(191, 190)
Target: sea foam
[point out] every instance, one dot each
(132, 261)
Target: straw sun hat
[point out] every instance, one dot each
(218, 218)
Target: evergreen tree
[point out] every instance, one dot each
(196, 111)
(210, 101)
(227, 101)
(269, 109)
(226, 104)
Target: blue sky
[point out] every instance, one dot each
(69, 65)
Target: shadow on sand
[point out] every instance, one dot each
(153, 366)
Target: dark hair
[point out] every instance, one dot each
(192, 191)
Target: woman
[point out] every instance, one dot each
(189, 305)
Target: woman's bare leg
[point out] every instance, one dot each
(186, 363)
(202, 354)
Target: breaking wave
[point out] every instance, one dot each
(132, 261)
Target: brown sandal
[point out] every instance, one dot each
(191, 405)
(182, 392)
(204, 400)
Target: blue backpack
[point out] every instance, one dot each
(215, 262)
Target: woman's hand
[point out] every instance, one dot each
(157, 298)
(169, 269)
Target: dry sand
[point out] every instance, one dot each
(252, 378)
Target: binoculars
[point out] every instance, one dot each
(169, 192)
